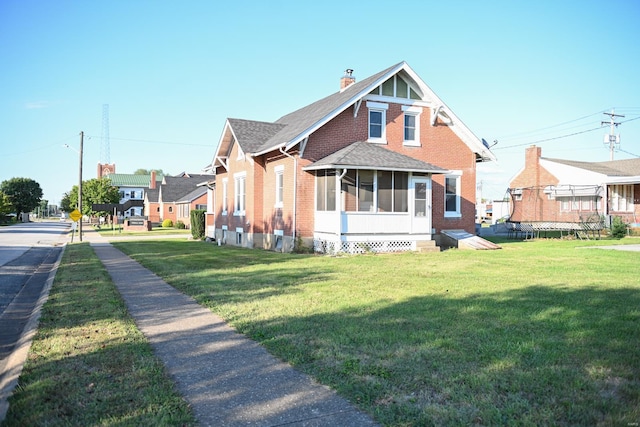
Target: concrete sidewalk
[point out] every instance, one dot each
(227, 379)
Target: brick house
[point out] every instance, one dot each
(196, 199)
(381, 164)
(567, 194)
(175, 196)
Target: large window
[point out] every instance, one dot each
(326, 190)
(375, 191)
(452, 196)
(239, 189)
(279, 170)
(621, 198)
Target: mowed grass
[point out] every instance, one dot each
(539, 333)
(89, 365)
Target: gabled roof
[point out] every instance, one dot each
(256, 138)
(364, 155)
(151, 194)
(174, 188)
(198, 192)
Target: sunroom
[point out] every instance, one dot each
(369, 198)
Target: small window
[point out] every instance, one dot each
(225, 183)
(411, 125)
(239, 233)
(375, 124)
(452, 196)
(170, 209)
(279, 186)
(240, 195)
(377, 121)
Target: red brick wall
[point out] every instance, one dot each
(439, 146)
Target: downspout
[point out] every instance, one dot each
(295, 189)
(339, 202)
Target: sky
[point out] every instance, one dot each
(520, 73)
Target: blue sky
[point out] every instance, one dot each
(172, 72)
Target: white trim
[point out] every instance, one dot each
(415, 112)
(458, 177)
(279, 174)
(382, 109)
(236, 177)
(377, 105)
(225, 195)
(278, 232)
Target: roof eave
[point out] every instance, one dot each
(367, 167)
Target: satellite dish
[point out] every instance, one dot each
(485, 143)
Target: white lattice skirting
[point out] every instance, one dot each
(333, 247)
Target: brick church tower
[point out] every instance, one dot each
(104, 170)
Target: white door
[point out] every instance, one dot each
(420, 204)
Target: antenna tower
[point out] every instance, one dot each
(105, 155)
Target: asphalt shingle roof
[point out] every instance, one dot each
(629, 167)
(365, 155)
(175, 188)
(254, 136)
(200, 191)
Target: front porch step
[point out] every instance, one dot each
(427, 246)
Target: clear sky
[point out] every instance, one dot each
(172, 72)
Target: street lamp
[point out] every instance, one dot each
(79, 183)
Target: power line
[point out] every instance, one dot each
(548, 127)
(149, 141)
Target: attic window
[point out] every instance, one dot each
(396, 87)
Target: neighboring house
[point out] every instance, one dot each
(132, 190)
(151, 205)
(197, 199)
(172, 192)
(381, 165)
(570, 195)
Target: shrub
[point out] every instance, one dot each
(167, 223)
(618, 228)
(180, 225)
(198, 223)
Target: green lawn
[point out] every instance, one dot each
(88, 364)
(541, 332)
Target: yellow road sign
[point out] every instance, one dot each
(75, 215)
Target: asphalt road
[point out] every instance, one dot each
(28, 252)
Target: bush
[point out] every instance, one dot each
(197, 223)
(167, 223)
(180, 225)
(618, 228)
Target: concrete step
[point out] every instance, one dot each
(427, 246)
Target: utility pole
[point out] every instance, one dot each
(612, 139)
(80, 188)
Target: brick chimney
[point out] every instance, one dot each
(532, 163)
(347, 79)
(152, 180)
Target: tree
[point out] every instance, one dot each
(148, 171)
(65, 203)
(98, 191)
(44, 208)
(94, 191)
(5, 205)
(23, 193)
